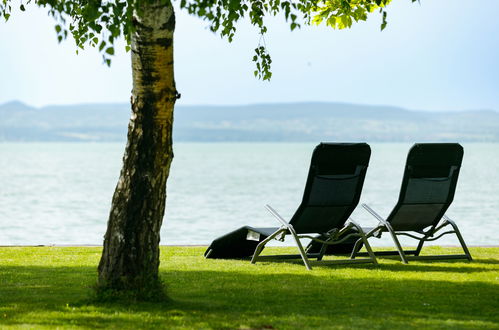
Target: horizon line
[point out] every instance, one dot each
(254, 104)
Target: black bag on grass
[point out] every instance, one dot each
(238, 244)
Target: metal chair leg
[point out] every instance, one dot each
(420, 246)
(301, 250)
(397, 245)
(257, 252)
(370, 251)
(363, 237)
(261, 245)
(322, 252)
(356, 248)
(460, 238)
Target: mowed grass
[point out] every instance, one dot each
(51, 287)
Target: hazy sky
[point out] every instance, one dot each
(437, 55)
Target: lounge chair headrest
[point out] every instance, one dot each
(340, 158)
(434, 159)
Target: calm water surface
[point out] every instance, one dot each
(53, 193)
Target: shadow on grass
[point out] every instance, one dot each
(427, 265)
(487, 261)
(62, 296)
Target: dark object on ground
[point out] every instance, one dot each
(334, 184)
(238, 244)
(334, 249)
(428, 187)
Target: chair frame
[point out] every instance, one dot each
(334, 236)
(426, 236)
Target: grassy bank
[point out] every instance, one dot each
(52, 287)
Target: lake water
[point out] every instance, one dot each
(60, 193)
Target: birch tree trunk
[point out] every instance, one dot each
(130, 258)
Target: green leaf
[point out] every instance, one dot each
(110, 51)
(22, 7)
(102, 45)
(58, 28)
(384, 22)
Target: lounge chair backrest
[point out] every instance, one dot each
(428, 185)
(333, 187)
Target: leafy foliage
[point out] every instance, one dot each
(94, 23)
(98, 23)
(223, 16)
(340, 14)
(263, 61)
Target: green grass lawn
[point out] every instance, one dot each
(51, 287)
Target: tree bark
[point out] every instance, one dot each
(130, 258)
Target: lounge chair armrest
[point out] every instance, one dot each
(372, 232)
(446, 218)
(277, 216)
(447, 221)
(353, 223)
(374, 214)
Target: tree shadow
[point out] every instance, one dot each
(489, 261)
(426, 265)
(62, 296)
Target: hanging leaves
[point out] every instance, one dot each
(262, 60)
(99, 23)
(96, 23)
(223, 16)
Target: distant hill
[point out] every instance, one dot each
(258, 122)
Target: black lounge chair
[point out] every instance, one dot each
(428, 187)
(332, 192)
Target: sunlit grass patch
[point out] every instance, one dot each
(48, 287)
